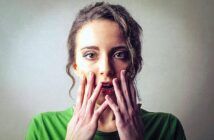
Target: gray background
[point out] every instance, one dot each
(177, 77)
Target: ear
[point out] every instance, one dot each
(75, 68)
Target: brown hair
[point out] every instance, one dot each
(130, 28)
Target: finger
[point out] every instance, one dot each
(133, 95)
(99, 111)
(73, 123)
(89, 89)
(114, 108)
(92, 101)
(80, 95)
(120, 99)
(125, 89)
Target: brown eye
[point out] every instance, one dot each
(121, 55)
(90, 55)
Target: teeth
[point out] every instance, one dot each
(107, 86)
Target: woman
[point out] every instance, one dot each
(105, 52)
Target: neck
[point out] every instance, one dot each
(106, 121)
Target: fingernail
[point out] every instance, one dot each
(107, 97)
(115, 79)
(124, 71)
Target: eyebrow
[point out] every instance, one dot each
(90, 47)
(118, 48)
(113, 49)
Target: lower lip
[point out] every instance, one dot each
(107, 90)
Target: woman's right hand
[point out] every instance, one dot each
(84, 122)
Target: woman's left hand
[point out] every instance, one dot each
(126, 111)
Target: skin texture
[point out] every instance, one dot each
(101, 56)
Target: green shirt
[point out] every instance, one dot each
(157, 126)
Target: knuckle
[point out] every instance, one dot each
(126, 91)
(132, 112)
(121, 99)
(117, 109)
(127, 119)
(90, 102)
(81, 115)
(87, 94)
(96, 114)
(121, 123)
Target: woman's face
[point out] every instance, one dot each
(101, 49)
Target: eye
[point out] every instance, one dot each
(121, 55)
(90, 55)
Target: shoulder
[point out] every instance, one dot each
(158, 116)
(53, 118)
(44, 116)
(162, 125)
(43, 124)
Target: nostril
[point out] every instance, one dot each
(107, 74)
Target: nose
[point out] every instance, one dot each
(106, 68)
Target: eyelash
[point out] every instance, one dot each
(89, 54)
(124, 53)
(92, 55)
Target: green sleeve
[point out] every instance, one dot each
(49, 126)
(33, 129)
(176, 129)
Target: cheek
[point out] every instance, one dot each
(120, 66)
(84, 68)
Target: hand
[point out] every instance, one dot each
(84, 122)
(126, 111)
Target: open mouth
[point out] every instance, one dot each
(107, 88)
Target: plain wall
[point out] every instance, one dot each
(178, 52)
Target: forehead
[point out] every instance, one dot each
(100, 33)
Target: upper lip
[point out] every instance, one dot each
(106, 83)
